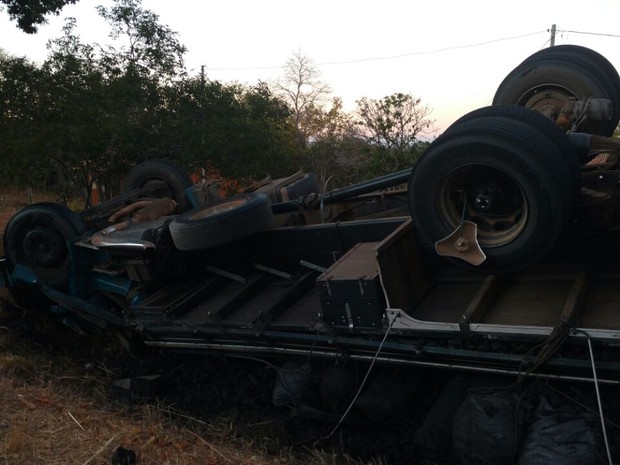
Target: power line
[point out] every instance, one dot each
(589, 33)
(418, 53)
(554, 30)
(430, 52)
(389, 57)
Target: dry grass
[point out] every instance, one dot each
(55, 411)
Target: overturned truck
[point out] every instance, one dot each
(501, 255)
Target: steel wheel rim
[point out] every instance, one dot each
(487, 196)
(44, 247)
(548, 99)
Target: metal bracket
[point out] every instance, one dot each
(462, 243)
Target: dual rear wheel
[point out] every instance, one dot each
(509, 168)
(497, 168)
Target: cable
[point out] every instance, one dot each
(387, 57)
(357, 394)
(588, 33)
(428, 52)
(580, 404)
(598, 394)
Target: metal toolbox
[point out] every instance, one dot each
(350, 290)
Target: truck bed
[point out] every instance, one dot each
(368, 289)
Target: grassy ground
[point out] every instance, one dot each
(55, 409)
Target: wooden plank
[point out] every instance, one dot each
(280, 305)
(247, 291)
(404, 274)
(445, 302)
(528, 303)
(480, 303)
(176, 299)
(576, 298)
(602, 307)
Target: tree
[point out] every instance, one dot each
(394, 126)
(77, 124)
(244, 132)
(151, 49)
(30, 14)
(90, 111)
(302, 88)
(394, 122)
(21, 93)
(335, 151)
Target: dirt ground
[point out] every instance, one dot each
(12, 199)
(62, 402)
(59, 404)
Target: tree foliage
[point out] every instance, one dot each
(148, 48)
(394, 126)
(90, 112)
(336, 151)
(30, 14)
(245, 132)
(22, 92)
(394, 122)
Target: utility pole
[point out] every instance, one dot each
(552, 40)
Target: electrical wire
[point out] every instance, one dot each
(422, 52)
(598, 394)
(588, 33)
(388, 57)
(429, 52)
(363, 383)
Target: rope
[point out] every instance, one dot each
(545, 350)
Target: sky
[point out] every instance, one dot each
(451, 54)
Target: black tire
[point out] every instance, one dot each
(38, 236)
(524, 220)
(176, 179)
(594, 58)
(545, 82)
(537, 145)
(596, 65)
(569, 161)
(221, 222)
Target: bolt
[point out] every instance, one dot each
(461, 244)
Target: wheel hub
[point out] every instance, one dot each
(488, 197)
(44, 247)
(547, 99)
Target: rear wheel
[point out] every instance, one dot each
(175, 180)
(568, 160)
(593, 59)
(500, 176)
(547, 80)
